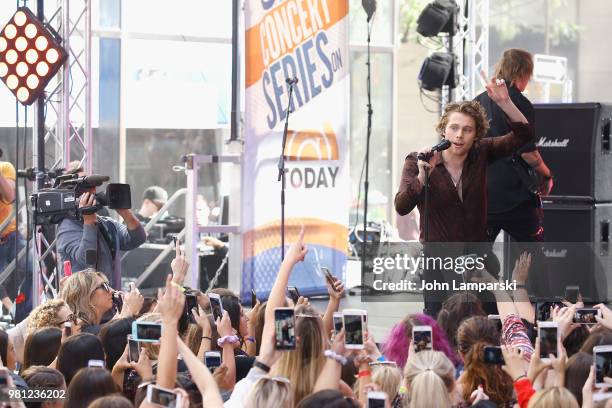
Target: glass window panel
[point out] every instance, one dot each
(380, 194)
(208, 18)
(174, 85)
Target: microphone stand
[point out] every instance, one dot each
(281, 171)
(367, 160)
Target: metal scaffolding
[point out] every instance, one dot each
(67, 118)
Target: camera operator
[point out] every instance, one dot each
(103, 234)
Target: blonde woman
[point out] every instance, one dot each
(429, 377)
(270, 392)
(90, 296)
(554, 397)
(303, 365)
(388, 378)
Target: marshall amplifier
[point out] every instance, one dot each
(574, 140)
(577, 248)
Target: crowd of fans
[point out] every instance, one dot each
(79, 345)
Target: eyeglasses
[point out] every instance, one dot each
(104, 286)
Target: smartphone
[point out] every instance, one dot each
(95, 364)
(329, 277)
(294, 294)
(571, 293)
(68, 329)
(602, 357)
(602, 396)
(284, 328)
(191, 302)
(133, 349)
(548, 332)
(337, 322)
(146, 331)
(543, 310)
(163, 397)
(354, 327)
(493, 355)
(253, 298)
(586, 315)
(212, 359)
(216, 306)
(497, 320)
(376, 399)
(117, 301)
(422, 338)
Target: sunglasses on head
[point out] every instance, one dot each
(104, 286)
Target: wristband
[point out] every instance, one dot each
(520, 377)
(261, 366)
(227, 339)
(520, 286)
(381, 358)
(249, 338)
(364, 373)
(207, 338)
(330, 354)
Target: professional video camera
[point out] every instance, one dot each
(52, 205)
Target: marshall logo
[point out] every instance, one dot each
(544, 142)
(554, 253)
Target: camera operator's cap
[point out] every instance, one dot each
(156, 194)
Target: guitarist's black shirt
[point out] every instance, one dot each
(505, 188)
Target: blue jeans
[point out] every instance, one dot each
(7, 254)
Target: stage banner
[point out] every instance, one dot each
(308, 40)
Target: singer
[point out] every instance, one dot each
(457, 197)
(457, 209)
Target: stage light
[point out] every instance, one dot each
(437, 17)
(31, 31)
(436, 71)
(31, 56)
(24, 71)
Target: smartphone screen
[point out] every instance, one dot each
(165, 398)
(376, 399)
(216, 306)
(493, 355)
(148, 331)
(133, 351)
(191, 302)
(548, 341)
(329, 277)
(586, 315)
(284, 324)
(212, 359)
(3, 377)
(571, 293)
(337, 323)
(294, 294)
(603, 365)
(422, 340)
(353, 329)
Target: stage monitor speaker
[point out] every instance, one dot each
(577, 248)
(574, 140)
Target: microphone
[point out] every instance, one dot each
(370, 7)
(292, 81)
(94, 180)
(443, 145)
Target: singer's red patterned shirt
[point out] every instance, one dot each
(450, 219)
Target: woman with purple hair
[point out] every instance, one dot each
(398, 341)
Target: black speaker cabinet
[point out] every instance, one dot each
(574, 140)
(577, 247)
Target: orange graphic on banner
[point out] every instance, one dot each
(316, 231)
(312, 145)
(284, 28)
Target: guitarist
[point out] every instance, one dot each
(516, 183)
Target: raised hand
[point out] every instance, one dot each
(171, 302)
(496, 89)
(297, 251)
(179, 264)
